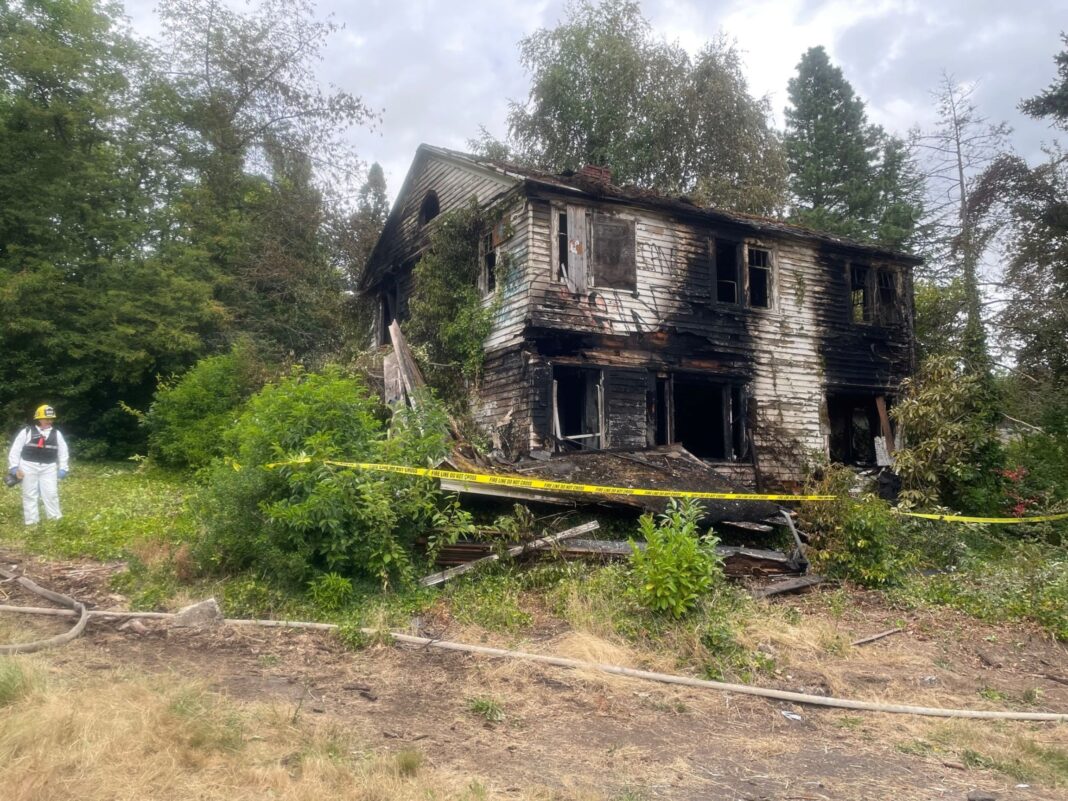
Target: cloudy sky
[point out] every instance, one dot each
(441, 68)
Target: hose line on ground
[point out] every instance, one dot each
(75, 608)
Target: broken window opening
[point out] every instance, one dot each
(488, 277)
(860, 296)
(706, 416)
(886, 294)
(386, 315)
(759, 262)
(561, 246)
(726, 272)
(578, 407)
(854, 425)
(612, 253)
(430, 208)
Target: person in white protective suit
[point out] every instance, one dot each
(39, 458)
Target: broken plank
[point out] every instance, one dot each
(512, 493)
(879, 636)
(411, 376)
(884, 423)
(790, 585)
(544, 542)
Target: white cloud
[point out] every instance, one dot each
(440, 69)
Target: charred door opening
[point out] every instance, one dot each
(578, 406)
(855, 423)
(699, 418)
(705, 415)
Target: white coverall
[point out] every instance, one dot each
(39, 480)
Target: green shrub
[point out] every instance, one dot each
(190, 413)
(294, 521)
(330, 592)
(952, 456)
(852, 538)
(678, 565)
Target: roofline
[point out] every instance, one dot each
(525, 178)
(758, 225)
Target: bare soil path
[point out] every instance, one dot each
(577, 734)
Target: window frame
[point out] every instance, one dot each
(743, 298)
(877, 309)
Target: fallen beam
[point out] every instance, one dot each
(879, 636)
(440, 578)
(791, 585)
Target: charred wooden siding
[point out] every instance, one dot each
(405, 234)
(788, 354)
(668, 319)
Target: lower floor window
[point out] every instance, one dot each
(704, 414)
(858, 426)
(578, 407)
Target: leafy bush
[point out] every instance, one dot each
(1036, 478)
(190, 413)
(678, 565)
(294, 521)
(952, 455)
(1005, 581)
(852, 538)
(330, 592)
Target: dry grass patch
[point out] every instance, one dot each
(123, 738)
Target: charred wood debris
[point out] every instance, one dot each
(766, 572)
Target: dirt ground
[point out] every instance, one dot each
(576, 733)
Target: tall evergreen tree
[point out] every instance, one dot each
(1036, 270)
(847, 177)
(831, 150)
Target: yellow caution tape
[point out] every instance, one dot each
(993, 520)
(558, 486)
(594, 489)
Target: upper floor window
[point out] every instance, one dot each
(430, 208)
(859, 294)
(612, 253)
(739, 282)
(759, 283)
(594, 249)
(873, 295)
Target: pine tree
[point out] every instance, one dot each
(831, 150)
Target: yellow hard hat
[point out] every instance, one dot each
(44, 412)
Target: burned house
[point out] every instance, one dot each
(631, 320)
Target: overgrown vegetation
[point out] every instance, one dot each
(296, 520)
(449, 318)
(999, 580)
(952, 454)
(853, 538)
(190, 413)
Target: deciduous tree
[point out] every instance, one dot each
(606, 91)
